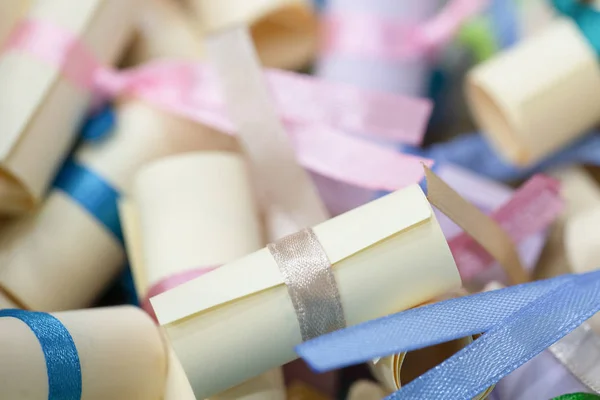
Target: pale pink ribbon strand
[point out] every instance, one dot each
(172, 282)
(365, 35)
(531, 209)
(188, 88)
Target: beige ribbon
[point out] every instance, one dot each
(307, 273)
(483, 229)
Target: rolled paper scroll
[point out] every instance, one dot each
(37, 252)
(187, 215)
(10, 13)
(284, 31)
(366, 390)
(538, 96)
(408, 75)
(245, 301)
(37, 97)
(109, 353)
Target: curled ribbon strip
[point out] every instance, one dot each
(578, 396)
(60, 353)
(307, 273)
(519, 322)
(372, 36)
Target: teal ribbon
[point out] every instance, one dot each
(585, 16)
(60, 353)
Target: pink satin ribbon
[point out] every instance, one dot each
(316, 113)
(169, 283)
(532, 209)
(373, 36)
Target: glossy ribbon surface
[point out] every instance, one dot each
(519, 322)
(60, 353)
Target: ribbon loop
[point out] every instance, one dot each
(311, 284)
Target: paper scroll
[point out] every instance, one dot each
(366, 390)
(121, 353)
(538, 96)
(35, 96)
(245, 301)
(189, 212)
(10, 13)
(407, 76)
(62, 257)
(284, 31)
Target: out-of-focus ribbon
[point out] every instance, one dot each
(530, 210)
(191, 90)
(586, 16)
(372, 36)
(578, 396)
(519, 322)
(62, 360)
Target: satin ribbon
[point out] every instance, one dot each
(471, 151)
(586, 16)
(578, 396)
(378, 37)
(532, 209)
(171, 282)
(60, 353)
(519, 322)
(190, 89)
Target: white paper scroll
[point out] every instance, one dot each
(245, 309)
(62, 257)
(284, 31)
(538, 96)
(187, 212)
(121, 352)
(41, 109)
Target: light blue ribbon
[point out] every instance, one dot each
(519, 322)
(60, 353)
(471, 151)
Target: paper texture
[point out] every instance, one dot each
(189, 211)
(366, 390)
(245, 301)
(10, 12)
(538, 96)
(35, 97)
(51, 265)
(121, 352)
(284, 31)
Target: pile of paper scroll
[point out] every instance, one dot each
(196, 193)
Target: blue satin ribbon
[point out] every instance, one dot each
(471, 151)
(519, 322)
(60, 353)
(505, 22)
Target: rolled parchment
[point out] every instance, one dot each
(407, 76)
(186, 215)
(37, 96)
(121, 353)
(366, 390)
(538, 96)
(284, 31)
(10, 13)
(62, 256)
(246, 301)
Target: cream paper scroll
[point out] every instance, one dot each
(61, 257)
(121, 353)
(387, 256)
(39, 108)
(284, 31)
(536, 97)
(186, 212)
